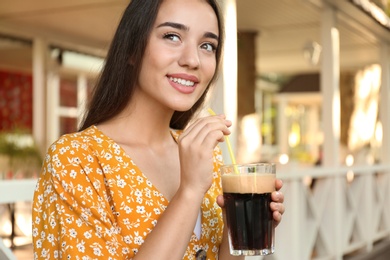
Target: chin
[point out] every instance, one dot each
(182, 107)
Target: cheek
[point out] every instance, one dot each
(209, 69)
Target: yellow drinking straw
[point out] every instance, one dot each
(211, 112)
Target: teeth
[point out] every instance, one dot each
(183, 82)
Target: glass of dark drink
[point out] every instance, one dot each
(247, 192)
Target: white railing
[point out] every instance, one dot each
(342, 211)
(12, 191)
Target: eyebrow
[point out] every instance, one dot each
(183, 27)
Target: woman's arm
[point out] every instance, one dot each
(170, 238)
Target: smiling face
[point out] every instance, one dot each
(180, 58)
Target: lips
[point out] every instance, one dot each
(184, 82)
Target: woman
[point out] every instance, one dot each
(129, 186)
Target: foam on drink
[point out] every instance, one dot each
(248, 183)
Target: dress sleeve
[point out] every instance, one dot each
(72, 210)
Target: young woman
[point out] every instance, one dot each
(139, 180)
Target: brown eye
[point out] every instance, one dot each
(209, 47)
(171, 36)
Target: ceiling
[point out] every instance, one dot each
(284, 28)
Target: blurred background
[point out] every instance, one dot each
(306, 83)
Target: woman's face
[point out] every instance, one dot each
(180, 58)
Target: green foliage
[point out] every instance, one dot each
(20, 148)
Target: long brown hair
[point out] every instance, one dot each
(118, 78)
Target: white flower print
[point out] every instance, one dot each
(108, 156)
(140, 209)
(81, 247)
(107, 169)
(87, 170)
(53, 222)
(120, 182)
(75, 144)
(147, 193)
(127, 209)
(89, 191)
(98, 140)
(79, 222)
(73, 232)
(53, 198)
(138, 193)
(75, 160)
(87, 234)
(50, 238)
(43, 253)
(127, 239)
(35, 232)
(97, 251)
(138, 240)
(38, 244)
(140, 179)
(62, 150)
(207, 202)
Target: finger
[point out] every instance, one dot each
(198, 122)
(278, 184)
(207, 132)
(277, 217)
(279, 207)
(277, 196)
(220, 201)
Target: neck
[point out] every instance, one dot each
(141, 124)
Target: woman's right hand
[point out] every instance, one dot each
(196, 147)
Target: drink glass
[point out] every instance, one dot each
(247, 192)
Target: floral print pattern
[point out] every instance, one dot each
(92, 202)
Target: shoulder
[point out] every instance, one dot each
(76, 145)
(75, 155)
(78, 140)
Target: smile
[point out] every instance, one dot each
(187, 83)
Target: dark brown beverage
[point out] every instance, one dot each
(250, 221)
(249, 217)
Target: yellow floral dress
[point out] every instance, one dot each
(92, 202)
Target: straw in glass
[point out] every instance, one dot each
(227, 140)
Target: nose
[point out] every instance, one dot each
(190, 56)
